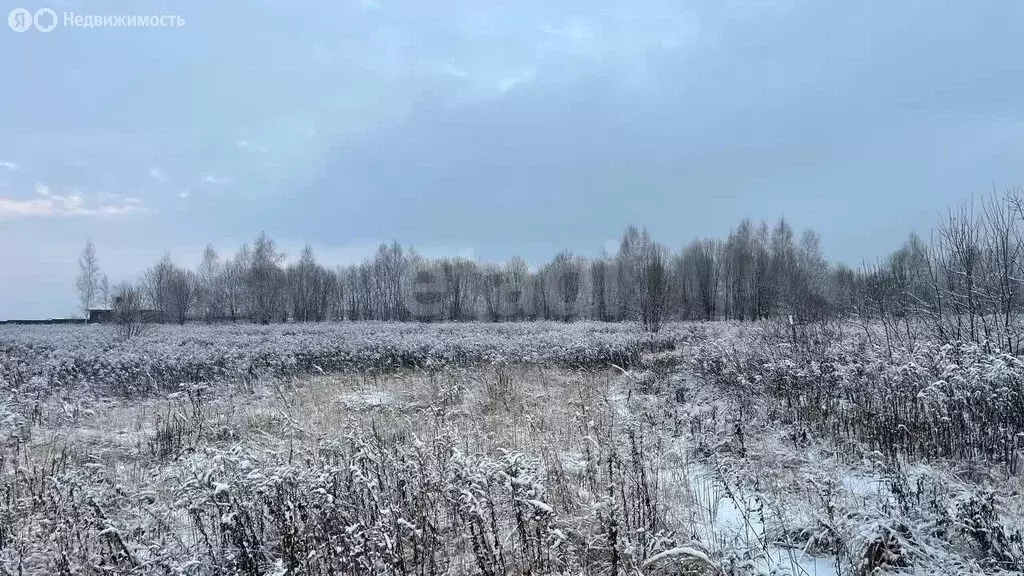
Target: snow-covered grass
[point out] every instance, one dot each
(165, 356)
(904, 460)
(714, 448)
(410, 472)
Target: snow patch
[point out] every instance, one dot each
(366, 399)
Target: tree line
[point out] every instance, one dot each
(965, 282)
(756, 272)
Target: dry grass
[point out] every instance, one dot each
(496, 468)
(515, 468)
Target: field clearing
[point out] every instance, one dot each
(164, 357)
(710, 448)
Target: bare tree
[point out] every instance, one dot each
(427, 300)
(265, 282)
(564, 275)
(171, 290)
(962, 263)
(517, 274)
(699, 267)
(460, 286)
(104, 291)
(233, 284)
(360, 289)
(127, 311)
(340, 292)
(494, 284)
(762, 291)
(389, 270)
(599, 287)
(810, 272)
(181, 294)
(211, 297)
(739, 272)
(540, 304)
(627, 268)
(157, 285)
(311, 288)
(654, 286)
(302, 286)
(89, 277)
(1004, 248)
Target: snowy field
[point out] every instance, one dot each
(535, 448)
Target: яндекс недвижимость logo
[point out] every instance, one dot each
(23, 19)
(47, 19)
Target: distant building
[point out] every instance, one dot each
(44, 321)
(100, 315)
(106, 316)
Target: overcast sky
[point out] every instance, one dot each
(491, 128)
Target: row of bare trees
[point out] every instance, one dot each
(964, 283)
(756, 272)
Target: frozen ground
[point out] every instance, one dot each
(678, 464)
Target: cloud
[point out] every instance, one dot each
(9, 166)
(10, 208)
(184, 193)
(156, 173)
(71, 205)
(576, 32)
(214, 180)
(447, 69)
(509, 82)
(247, 145)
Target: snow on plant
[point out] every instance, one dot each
(166, 356)
(826, 453)
(932, 401)
(913, 418)
(366, 502)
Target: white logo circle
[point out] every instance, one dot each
(20, 20)
(45, 19)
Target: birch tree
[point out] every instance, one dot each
(89, 277)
